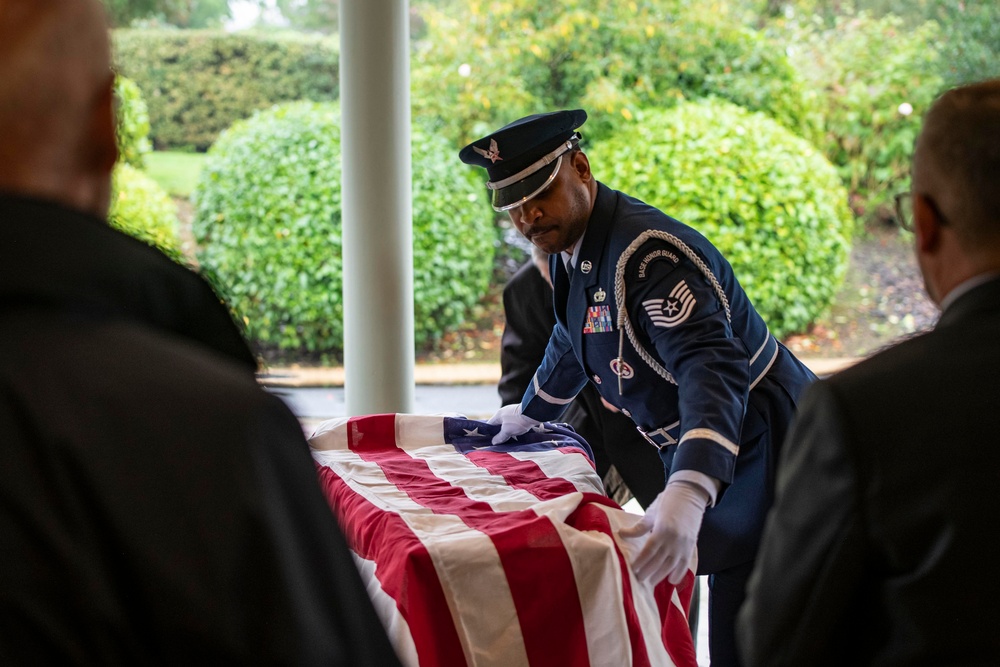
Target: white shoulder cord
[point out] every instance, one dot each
(625, 326)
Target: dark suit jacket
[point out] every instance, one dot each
(881, 547)
(527, 301)
(156, 505)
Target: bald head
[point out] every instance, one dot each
(957, 163)
(56, 102)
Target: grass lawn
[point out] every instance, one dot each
(176, 172)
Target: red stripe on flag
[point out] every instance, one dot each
(529, 546)
(524, 475)
(376, 432)
(676, 631)
(412, 581)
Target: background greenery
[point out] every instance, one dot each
(141, 208)
(198, 82)
(178, 13)
(176, 171)
(836, 89)
(766, 198)
(268, 220)
(132, 123)
(139, 205)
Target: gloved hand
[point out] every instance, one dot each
(512, 422)
(673, 521)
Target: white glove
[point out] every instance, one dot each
(512, 422)
(673, 521)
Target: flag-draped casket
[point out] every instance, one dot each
(504, 555)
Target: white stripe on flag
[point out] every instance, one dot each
(565, 466)
(477, 483)
(395, 625)
(598, 582)
(642, 590)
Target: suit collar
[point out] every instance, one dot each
(979, 300)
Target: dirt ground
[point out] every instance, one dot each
(881, 301)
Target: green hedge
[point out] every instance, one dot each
(141, 208)
(268, 219)
(767, 199)
(131, 123)
(198, 82)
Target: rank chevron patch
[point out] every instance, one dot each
(673, 310)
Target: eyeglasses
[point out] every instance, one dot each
(904, 210)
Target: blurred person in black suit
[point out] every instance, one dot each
(879, 545)
(156, 505)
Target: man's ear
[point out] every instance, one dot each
(926, 223)
(581, 165)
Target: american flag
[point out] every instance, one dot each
(504, 555)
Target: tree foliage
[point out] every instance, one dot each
(969, 44)
(876, 77)
(312, 15)
(485, 62)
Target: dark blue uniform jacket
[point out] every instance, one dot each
(654, 317)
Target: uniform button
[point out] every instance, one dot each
(626, 412)
(597, 379)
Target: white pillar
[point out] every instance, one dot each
(378, 232)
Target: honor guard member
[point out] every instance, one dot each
(649, 311)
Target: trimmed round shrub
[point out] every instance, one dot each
(131, 123)
(141, 208)
(766, 198)
(268, 220)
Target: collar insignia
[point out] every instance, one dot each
(586, 266)
(493, 154)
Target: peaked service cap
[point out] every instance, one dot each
(522, 158)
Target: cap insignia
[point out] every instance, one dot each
(493, 154)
